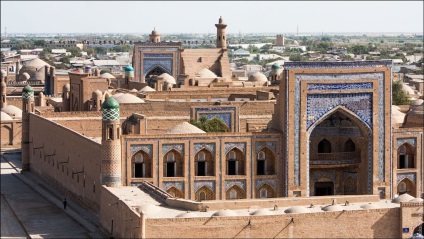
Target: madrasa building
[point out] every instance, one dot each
(333, 135)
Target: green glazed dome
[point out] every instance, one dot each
(28, 89)
(110, 103)
(128, 68)
(276, 66)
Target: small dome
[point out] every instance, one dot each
(187, 215)
(369, 206)
(37, 63)
(205, 73)
(261, 212)
(128, 68)
(185, 128)
(332, 208)
(168, 78)
(224, 213)
(417, 102)
(97, 94)
(28, 89)
(110, 103)
(297, 209)
(104, 71)
(12, 111)
(133, 90)
(257, 77)
(148, 209)
(127, 98)
(403, 198)
(417, 200)
(147, 89)
(25, 76)
(221, 21)
(4, 116)
(275, 66)
(397, 116)
(67, 87)
(407, 89)
(107, 75)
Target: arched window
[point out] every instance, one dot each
(110, 133)
(170, 165)
(406, 156)
(349, 146)
(201, 164)
(233, 194)
(261, 164)
(324, 146)
(139, 166)
(202, 196)
(263, 193)
(232, 163)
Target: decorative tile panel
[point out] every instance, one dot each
(159, 55)
(223, 113)
(225, 117)
(27, 95)
(262, 144)
(345, 64)
(316, 175)
(411, 141)
(240, 183)
(110, 114)
(209, 184)
(145, 147)
(208, 146)
(168, 147)
(402, 176)
(177, 185)
(261, 182)
(345, 86)
(230, 146)
(163, 63)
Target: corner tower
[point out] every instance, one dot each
(221, 37)
(110, 169)
(154, 37)
(27, 108)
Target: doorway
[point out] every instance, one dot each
(324, 188)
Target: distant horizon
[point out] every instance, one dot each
(197, 17)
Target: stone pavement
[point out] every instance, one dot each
(24, 193)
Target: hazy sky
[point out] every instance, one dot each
(200, 16)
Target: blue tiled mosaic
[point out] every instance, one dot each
(168, 147)
(177, 185)
(261, 182)
(343, 64)
(165, 56)
(230, 146)
(163, 63)
(147, 55)
(402, 176)
(223, 113)
(316, 175)
(411, 141)
(230, 183)
(208, 184)
(145, 147)
(225, 117)
(262, 144)
(208, 146)
(345, 86)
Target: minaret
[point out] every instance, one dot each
(3, 101)
(221, 37)
(66, 104)
(129, 75)
(154, 37)
(27, 108)
(97, 100)
(110, 169)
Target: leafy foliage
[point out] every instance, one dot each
(398, 96)
(212, 125)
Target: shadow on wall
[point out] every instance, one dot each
(382, 229)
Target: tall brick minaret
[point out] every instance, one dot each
(27, 108)
(221, 37)
(110, 169)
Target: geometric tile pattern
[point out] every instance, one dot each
(230, 183)
(167, 147)
(110, 114)
(327, 65)
(260, 182)
(208, 184)
(410, 176)
(178, 185)
(165, 59)
(411, 141)
(208, 146)
(345, 86)
(27, 95)
(230, 146)
(262, 144)
(145, 147)
(222, 113)
(164, 63)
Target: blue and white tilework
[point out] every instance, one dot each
(410, 176)
(411, 141)
(110, 114)
(262, 144)
(270, 182)
(209, 184)
(163, 63)
(209, 146)
(177, 185)
(145, 147)
(230, 146)
(344, 64)
(167, 55)
(168, 147)
(163, 60)
(345, 86)
(223, 113)
(316, 175)
(230, 183)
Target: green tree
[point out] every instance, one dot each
(75, 51)
(122, 48)
(398, 96)
(212, 125)
(297, 57)
(39, 43)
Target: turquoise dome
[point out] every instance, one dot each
(276, 66)
(28, 89)
(129, 68)
(110, 103)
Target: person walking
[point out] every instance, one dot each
(64, 203)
